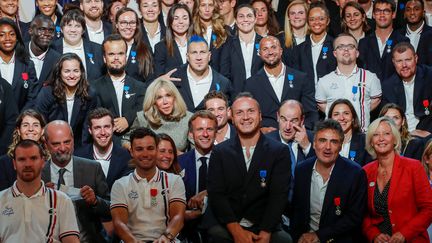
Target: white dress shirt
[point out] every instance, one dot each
(67, 176)
(156, 38)
(199, 88)
(414, 36)
(7, 69)
(103, 159)
(409, 107)
(382, 47)
(38, 61)
(277, 82)
(96, 36)
(78, 49)
(247, 50)
(119, 87)
(316, 52)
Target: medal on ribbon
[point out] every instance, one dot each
(290, 80)
(217, 87)
(133, 56)
(257, 47)
(153, 194)
(213, 38)
(324, 50)
(126, 90)
(389, 45)
(354, 90)
(58, 31)
(337, 202)
(90, 57)
(426, 107)
(352, 155)
(263, 175)
(25, 77)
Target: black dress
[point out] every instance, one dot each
(381, 207)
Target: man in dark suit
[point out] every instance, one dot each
(375, 49)
(116, 91)
(248, 181)
(194, 163)
(329, 192)
(97, 29)
(197, 77)
(277, 82)
(112, 157)
(217, 103)
(82, 179)
(410, 88)
(44, 58)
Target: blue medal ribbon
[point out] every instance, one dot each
(290, 79)
(263, 174)
(217, 87)
(352, 154)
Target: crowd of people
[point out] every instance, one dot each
(215, 121)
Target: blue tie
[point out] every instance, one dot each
(293, 158)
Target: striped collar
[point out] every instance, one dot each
(155, 178)
(16, 192)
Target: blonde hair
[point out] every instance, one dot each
(427, 153)
(372, 129)
(289, 35)
(217, 25)
(152, 114)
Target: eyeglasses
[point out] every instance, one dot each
(343, 47)
(382, 11)
(124, 24)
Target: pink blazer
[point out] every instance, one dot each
(409, 200)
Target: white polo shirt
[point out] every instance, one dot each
(145, 202)
(336, 85)
(25, 219)
(96, 36)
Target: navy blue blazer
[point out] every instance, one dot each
(8, 115)
(424, 49)
(414, 148)
(118, 166)
(95, 67)
(107, 98)
(303, 90)
(132, 68)
(302, 59)
(393, 92)
(52, 110)
(232, 64)
(236, 192)
(51, 58)
(348, 183)
(276, 136)
(107, 29)
(163, 62)
(358, 149)
(7, 172)
(188, 164)
(371, 59)
(219, 83)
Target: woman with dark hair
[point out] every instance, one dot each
(354, 20)
(266, 23)
(140, 60)
(67, 96)
(353, 146)
(167, 154)
(411, 147)
(73, 26)
(209, 24)
(171, 52)
(16, 67)
(152, 26)
(29, 125)
(111, 10)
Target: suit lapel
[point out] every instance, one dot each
(259, 156)
(399, 91)
(335, 179)
(177, 55)
(77, 173)
(238, 51)
(267, 87)
(75, 111)
(239, 157)
(46, 66)
(373, 45)
(46, 171)
(186, 87)
(255, 58)
(111, 93)
(418, 87)
(395, 178)
(18, 70)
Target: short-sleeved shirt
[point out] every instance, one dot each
(48, 214)
(147, 202)
(359, 88)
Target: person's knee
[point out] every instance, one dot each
(281, 236)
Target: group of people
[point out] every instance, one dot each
(216, 121)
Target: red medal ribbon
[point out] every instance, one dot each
(337, 201)
(24, 76)
(426, 103)
(153, 192)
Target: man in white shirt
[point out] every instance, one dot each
(217, 103)
(29, 209)
(329, 176)
(149, 204)
(360, 86)
(97, 29)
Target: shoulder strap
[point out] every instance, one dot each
(52, 214)
(165, 192)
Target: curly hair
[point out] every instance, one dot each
(217, 25)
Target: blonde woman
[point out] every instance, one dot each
(164, 111)
(296, 26)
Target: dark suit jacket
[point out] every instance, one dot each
(232, 64)
(303, 90)
(118, 166)
(163, 61)
(24, 95)
(276, 136)
(393, 92)
(107, 97)
(348, 183)
(88, 172)
(146, 38)
(51, 58)
(188, 164)
(7, 172)
(424, 49)
(414, 148)
(132, 68)
(8, 115)
(216, 53)
(95, 68)
(371, 59)
(52, 110)
(358, 145)
(219, 82)
(302, 59)
(235, 192)
(107, 29)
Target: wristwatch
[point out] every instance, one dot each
(168, 235)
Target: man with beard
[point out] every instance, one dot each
(29, 209)
(276, 82)
(44, 58)
(97, 29)
(350, 82)
(117, 91)
(112, 157)
(82, 179)
(248, 181)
